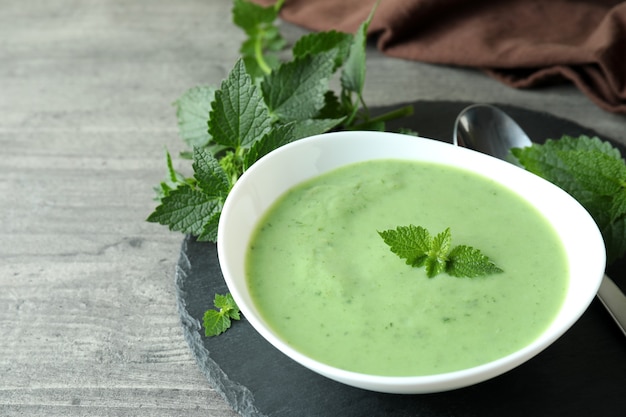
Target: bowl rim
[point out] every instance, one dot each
(454, 155)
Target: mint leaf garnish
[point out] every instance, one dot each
(438, 253)
(218, 321)
(594, 173)
(415, 245)
(411, 243)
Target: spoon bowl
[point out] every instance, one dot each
(489, 130)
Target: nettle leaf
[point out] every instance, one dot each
(192, 112)
(465, 261)
(438, 253)
(218, 321)
(209, 174)
(280, 135)
(215, 323)
(264, 38)
(595, 171)
(317, 42)
(173, 181)
(252, 17)
(618, 205)
(614, 234)
(332, 109)
(226, 304)
(544, 161)
(311, 127)
(238, 115)
(353, 74)
(410, 243)
(295, 90)
(209, 230)
(186, 210)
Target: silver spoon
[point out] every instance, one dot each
(487, 129)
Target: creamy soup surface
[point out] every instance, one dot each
(330, 287)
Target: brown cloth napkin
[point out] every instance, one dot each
(522, 43)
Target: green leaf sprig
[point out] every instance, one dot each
(263, 104)
(218, 321)
(594, 173)
(418, 248)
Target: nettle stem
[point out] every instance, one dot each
(258, 54)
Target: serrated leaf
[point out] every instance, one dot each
(226, 304)
(590, 170)
(215, 323)
(317, 42)
(614, 234)
(595, 171)
(465, 261)
(209, 175)
(584, 143)
(250, 16)
(441, 243)
(332, 109)
(353, 73)
(435, 262)
(192, 113)
(174, 180)
(434, 265)
(295, 90)
(264, 38)
(278, 136)
(238, 115)
(311, 127)
(618, 205)
(544, 161)
(410, 243)
(209, 231)
(185, 209)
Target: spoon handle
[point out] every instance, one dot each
(614, 301)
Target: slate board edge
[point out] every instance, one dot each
(238, 396)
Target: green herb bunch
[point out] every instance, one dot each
(264, 103)
(594, 173)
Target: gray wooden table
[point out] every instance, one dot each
(88, 319)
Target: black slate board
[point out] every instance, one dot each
(583, 373)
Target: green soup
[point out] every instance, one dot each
(325, 281)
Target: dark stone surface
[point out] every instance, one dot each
(583, 373)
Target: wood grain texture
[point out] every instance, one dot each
(88, 319)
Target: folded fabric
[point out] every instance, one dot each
(522, 43)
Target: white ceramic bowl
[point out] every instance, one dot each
(278, 171)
